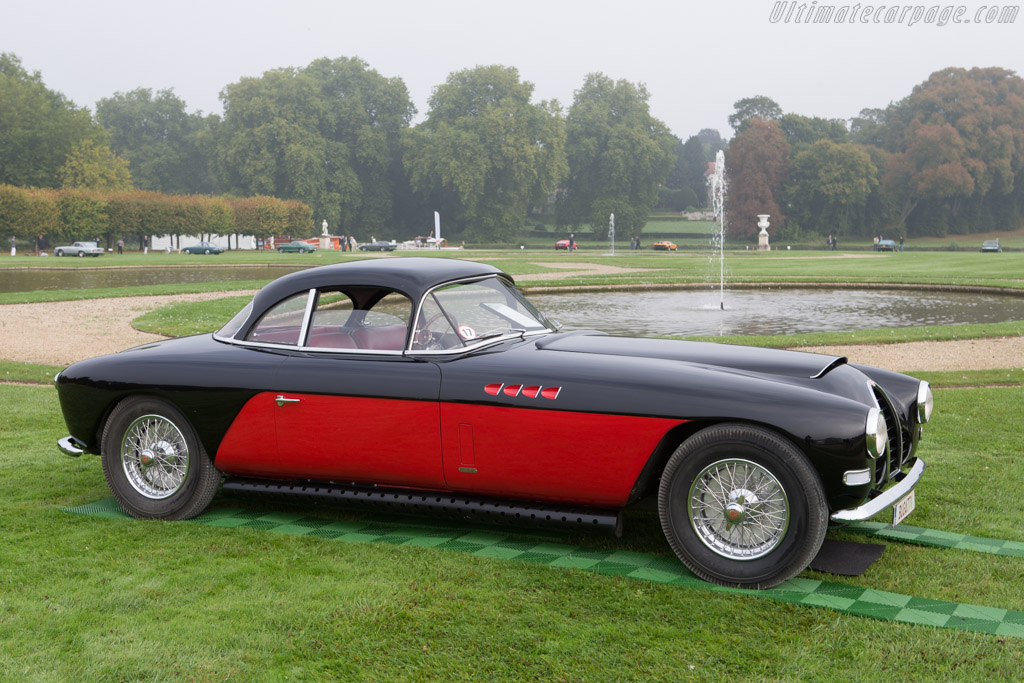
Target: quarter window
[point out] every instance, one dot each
(282, 324)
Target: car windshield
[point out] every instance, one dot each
(464, 314)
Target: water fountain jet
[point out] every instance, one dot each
(718, 188)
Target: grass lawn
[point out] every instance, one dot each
(87, 598)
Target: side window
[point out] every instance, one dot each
(360, 320)
(282, 324)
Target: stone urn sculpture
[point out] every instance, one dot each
(762, 237)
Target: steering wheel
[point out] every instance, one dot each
(424, 335)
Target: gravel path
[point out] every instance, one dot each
(966, 354)
(60, 333)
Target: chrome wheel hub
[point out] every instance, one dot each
(154, 457)
(738, 509)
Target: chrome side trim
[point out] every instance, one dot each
(904, 483)
(71, 446)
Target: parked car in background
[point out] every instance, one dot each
(886, 245)
(432, 386)
(203, 248)
(296, 246)
(564, 244)
(991, 246)
(79, 249)
(664, 245)
(379, 245)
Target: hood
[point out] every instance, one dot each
(794, 364)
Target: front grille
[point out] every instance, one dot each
(895, 454)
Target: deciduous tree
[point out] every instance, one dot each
(759, 106)
(829, 185)
(160, 139)
(618, 156)
(327, 134)
(95, 167)
(757, 165)
(486, 153)
(38, 127)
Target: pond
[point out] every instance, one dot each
(773, 311)
(656, 313)
(30, 280)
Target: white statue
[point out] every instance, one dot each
(323, 230)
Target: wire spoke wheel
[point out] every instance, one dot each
(738, 509)
(153, 461)
(742, 506)
(155, 456)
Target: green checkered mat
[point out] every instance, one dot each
(543, 548)
(938, 539)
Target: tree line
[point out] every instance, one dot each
(338, 137)
(68, 214)
(948, 158)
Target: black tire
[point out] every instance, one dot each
(60, 252)
(154, 463)
(280, 250)
(81, 253)
(784, 525)
(207, 252)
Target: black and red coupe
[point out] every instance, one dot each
(432, 384)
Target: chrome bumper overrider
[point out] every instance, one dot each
(69, 445)
(905, 482)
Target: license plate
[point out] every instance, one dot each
(903, 508)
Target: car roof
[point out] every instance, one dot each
(413, 276)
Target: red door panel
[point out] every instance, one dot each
(250, 446)
(582, 458)
(364, 440)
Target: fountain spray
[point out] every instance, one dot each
(718, 206)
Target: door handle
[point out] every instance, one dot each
(281, 400)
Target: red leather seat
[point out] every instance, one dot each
(385, 338)
(331, 338)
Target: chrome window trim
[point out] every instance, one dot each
(473, 347)
(306, 317)
(310, 349)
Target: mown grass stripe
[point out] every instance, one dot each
(864, 602)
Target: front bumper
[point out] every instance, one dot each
(69, 445)
(905, 483)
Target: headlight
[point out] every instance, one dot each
(925, 402)
(876, 432)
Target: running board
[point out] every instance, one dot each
(449, 505)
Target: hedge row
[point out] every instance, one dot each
(70, 214)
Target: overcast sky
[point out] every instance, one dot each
(696, 59)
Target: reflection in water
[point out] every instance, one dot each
(772, 311)
(81, 278)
